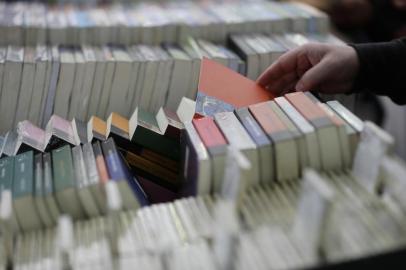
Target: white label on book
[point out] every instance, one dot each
(372, 148)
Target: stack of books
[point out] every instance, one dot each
(134, 134)
(152, 23)
(320, 221)
(150, 143)
(84, 81)
(306, 181)
(66, 180)
(259, 51)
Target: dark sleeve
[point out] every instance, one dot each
(382, 69)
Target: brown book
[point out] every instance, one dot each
(118, 124)
(270, 122)
(96, 129)
(327, 132)
(284, 143)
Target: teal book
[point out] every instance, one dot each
(6, 173)
(65, 182)
(6, 181)
(48, 190)
(39, 191)
(23, 192)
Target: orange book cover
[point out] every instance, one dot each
(99, 126)
(120, 122)
(209, 132)
(267, 118)
(226, 85)
(305, 106)
(337, 121)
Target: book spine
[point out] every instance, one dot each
(63, 168)
(100, 162)
(49, 189)
(120, 171)
(6, 173)
(23, 175)
(251, 126)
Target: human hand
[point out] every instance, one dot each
(314, 66)
(399, 4)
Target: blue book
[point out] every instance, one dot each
(264, 145)
(209, 106)
(132, 194)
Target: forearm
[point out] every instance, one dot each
(382, 69)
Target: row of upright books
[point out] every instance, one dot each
(150, 143)
(85, 81)
(321, 220)
(285, 183)
(279, 138)
(79, 82)
(25, 23)
(66, 180)
(296, 127)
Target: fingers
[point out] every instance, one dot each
(315, 76)
(279, 86)
(286, 64)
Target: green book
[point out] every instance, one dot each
(6, 173)
(83, 187)
(65, 183)
(48, 189)
(39, 192)
(23, 192)
(6, 181)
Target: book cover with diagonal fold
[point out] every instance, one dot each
(219, 82)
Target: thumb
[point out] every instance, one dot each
(314, 77)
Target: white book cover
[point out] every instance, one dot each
(238, 137)
(65, 83)
(120, 82)
(43, 62)
(11, 87)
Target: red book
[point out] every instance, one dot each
(327, 132)
(209, 132)
(313, 113)
(219, 82)
(216, 146)
(268, 119)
